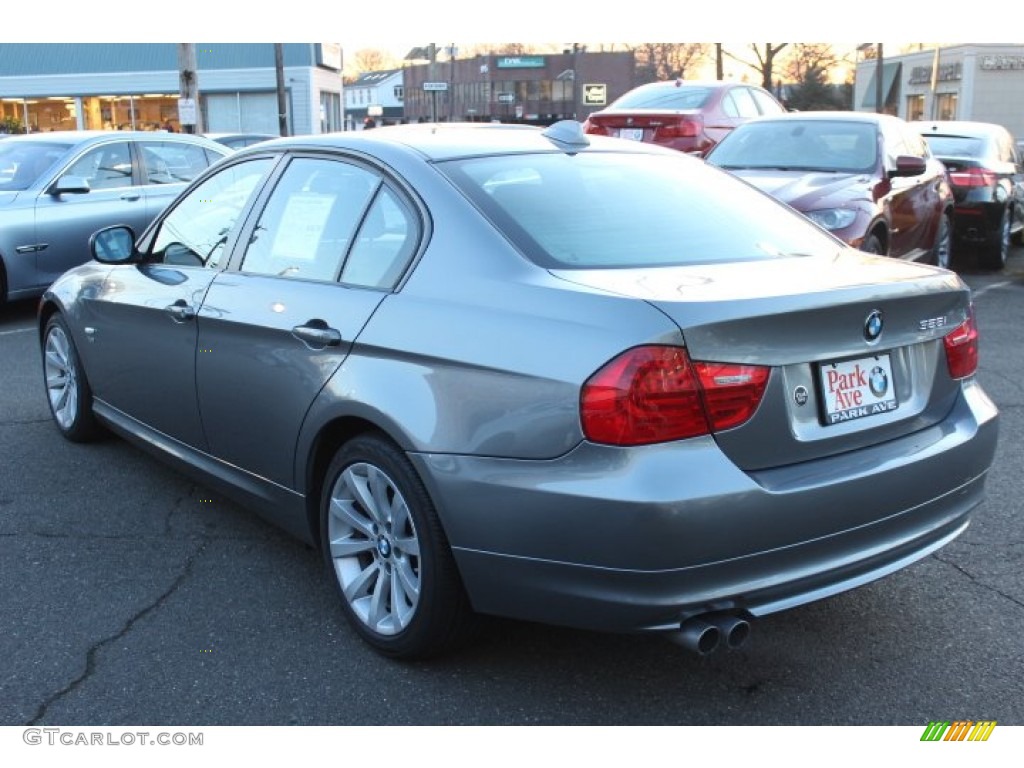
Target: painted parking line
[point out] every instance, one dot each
(982, 291)
(16, 330)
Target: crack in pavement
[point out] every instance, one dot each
(176, 506)
(91, 654)
(977, 581)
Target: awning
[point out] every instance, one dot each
(890, 73)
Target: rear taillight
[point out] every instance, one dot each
(972, 177)
(962, 348)
(684, 128)
(653, 394)
(595, 129)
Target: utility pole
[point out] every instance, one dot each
(879, 105)
(189, 114)
(719, 64)
(431, 67)
(451, 82)
(282, 108)
(575, 78)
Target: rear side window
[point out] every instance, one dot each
(604, 209)
(739, 103)
(674, 97)
(955, 146)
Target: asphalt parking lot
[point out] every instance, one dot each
(133, 595)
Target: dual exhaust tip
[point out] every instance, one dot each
(705, 634)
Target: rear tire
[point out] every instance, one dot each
(388, 555)
(872, 244)
(995, 251)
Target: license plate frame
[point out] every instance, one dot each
(631, 134)
(855, 388)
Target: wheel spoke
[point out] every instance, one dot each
(408, 581)
(401, 604)
(55, 359)
(56, 381)
(350, 547)
(360, 483)
(345, 512)
(378, 612)
(409, 545)
(360, 585)
(379, 487)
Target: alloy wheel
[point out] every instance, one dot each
(374, 548)
(61, 377)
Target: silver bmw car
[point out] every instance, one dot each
(59, 187)
(536, 374)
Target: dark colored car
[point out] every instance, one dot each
(57, 188)
(869, 179)
(533, 374)
(987, 177)
(239, 140)
(688, 115)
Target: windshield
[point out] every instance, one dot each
(605, 209)
(804, 145)
(680, 97)
(23, 162)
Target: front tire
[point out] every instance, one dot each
(942, 251)
(67, 388)
(872, 244)
(387, 552)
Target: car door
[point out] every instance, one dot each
(315, 265)
(64, 222)
(903, 198)
(142, 330)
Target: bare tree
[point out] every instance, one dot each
(664, 61)
(806, 59)
(765, 56)
(368, 60)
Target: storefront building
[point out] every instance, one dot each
(135, 86)
(377, 96)
(983, 82)
(535, 89)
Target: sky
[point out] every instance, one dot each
(398, 25)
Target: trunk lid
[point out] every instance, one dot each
(807, 319)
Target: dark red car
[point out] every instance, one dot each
(688, 115)
(869, 179)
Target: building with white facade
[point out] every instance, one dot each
(973, 81)
(379, 95)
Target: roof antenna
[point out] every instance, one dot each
(567, 135)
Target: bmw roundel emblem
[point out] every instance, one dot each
(873, 325)
(878, 381)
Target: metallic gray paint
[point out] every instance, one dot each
(474, 367)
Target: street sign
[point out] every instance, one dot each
(595, 94)
(187, 111)
(506, 97)
(435, 86)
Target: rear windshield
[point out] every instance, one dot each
(800, 145)
(681, 97)
(609, 209)
(23, 162)
(955, 146)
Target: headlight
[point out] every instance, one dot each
(832, 218)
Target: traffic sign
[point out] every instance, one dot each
(595, 94)
(435, 86)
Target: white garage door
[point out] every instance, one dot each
(242, 113)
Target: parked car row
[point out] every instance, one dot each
(908, 190)
(534, 373)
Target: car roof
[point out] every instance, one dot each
(444, 141)
(88, 137)
(833, 115)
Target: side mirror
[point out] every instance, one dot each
(113, 245)
(909, 165)
(69, 185)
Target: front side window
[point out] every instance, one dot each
(196, 231)
(105, 167)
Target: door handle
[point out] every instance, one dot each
(181, 312)
(316, 333)
(131, 195)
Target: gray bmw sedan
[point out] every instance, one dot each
(533, 373)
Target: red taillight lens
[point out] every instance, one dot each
(962, 348)
(972, 177)
(686, 128)
(654, 394)
(595, 129)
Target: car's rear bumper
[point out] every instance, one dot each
(640, 539)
